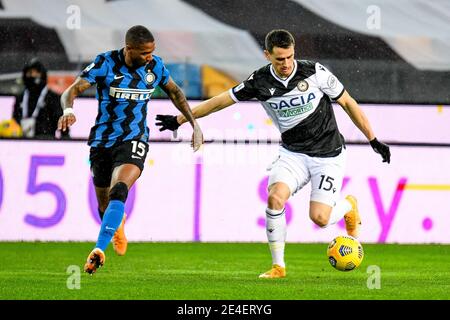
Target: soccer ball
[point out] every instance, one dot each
(345, 253)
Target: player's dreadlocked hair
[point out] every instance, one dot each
(279, 38)
(137, 35)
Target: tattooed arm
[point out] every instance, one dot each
(179, 100)
(68, 118)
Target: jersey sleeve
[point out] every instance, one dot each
(244, 91)
(165, 75)
(96, 70)
(328, 82)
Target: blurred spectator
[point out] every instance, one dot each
(37, 109)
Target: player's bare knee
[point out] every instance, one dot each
(119, 192)
(320, 218)
(276, 201)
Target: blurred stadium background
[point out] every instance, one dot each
(392, 56)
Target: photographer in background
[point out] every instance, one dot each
(37, 109)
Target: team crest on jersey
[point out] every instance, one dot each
(150, 78)
(302, 85)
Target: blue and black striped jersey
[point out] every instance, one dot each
(123, 94)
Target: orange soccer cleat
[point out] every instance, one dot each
(352, 218)
(95, 260)
(119, 240)
(275, 272)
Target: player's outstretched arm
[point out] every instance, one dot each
(68, 118)
(209, 106)
(179, 100)
(219, 102)
(358, 117)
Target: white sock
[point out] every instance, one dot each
(276, 234)
(339, 210)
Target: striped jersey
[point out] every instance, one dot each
(300, 106)
(122, 94)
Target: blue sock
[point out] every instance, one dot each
(111, 221)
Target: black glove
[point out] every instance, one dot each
(167, 122)
(382, 149)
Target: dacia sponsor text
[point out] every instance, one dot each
(287, 102)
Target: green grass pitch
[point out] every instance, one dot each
(223, 271)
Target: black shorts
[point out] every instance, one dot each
(104, 160)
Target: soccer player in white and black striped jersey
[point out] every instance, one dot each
(297, 94)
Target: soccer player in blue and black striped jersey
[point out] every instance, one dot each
(125, 80)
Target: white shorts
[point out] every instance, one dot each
(297, 169)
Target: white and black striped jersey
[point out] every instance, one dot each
(299, 105)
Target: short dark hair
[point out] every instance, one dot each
(137, 35)
(279, 38)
